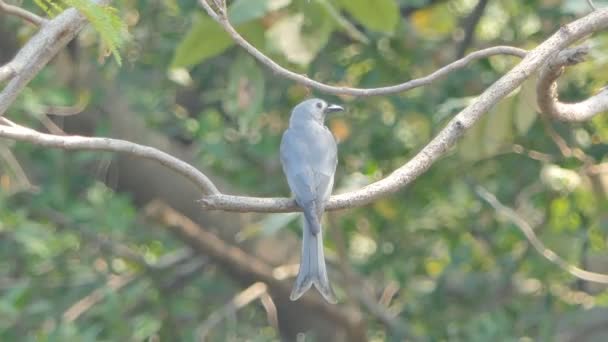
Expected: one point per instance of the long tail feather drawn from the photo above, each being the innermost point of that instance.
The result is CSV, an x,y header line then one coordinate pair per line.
x,y
312,266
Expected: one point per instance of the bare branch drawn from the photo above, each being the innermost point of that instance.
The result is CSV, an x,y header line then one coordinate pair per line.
x,y
337,90
528,231
110,145
590,2
38,51
22,13
242,265
547,96
470,24
114,284
240,300
117,282
271,311
398,179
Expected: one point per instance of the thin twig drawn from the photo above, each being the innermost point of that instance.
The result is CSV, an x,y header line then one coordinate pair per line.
x,y
338,90
547,96
563,147
470,23
114,284
22,13
271,310
240,300
528,231
117,282
22,179
590,2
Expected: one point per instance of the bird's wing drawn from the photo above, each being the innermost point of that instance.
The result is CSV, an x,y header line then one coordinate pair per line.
x,y
309,162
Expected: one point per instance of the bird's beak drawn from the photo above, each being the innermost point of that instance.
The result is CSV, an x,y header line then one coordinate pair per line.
x,y
332,108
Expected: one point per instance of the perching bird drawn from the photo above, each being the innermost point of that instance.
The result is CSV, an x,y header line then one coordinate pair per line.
x,y
309,158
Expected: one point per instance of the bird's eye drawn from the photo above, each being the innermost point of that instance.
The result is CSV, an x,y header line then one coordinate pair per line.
x,y
319,105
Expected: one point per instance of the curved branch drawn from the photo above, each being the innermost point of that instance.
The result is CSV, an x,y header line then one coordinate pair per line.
x,y
446,138
17,132
547,96
222,19
38,51
400,178
239,301
22,13
540,247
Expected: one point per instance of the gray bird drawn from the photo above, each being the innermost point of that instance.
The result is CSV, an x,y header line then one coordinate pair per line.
x,y
309,158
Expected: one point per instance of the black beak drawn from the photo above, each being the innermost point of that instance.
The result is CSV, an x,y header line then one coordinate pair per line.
x,y
332,108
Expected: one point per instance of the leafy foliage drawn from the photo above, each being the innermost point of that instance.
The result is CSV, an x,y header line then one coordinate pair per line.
x,y
105,20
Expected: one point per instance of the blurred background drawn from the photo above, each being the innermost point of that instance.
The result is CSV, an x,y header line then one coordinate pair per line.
x,y
105,247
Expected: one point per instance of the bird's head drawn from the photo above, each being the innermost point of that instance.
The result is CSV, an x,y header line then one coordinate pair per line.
x,y
313,109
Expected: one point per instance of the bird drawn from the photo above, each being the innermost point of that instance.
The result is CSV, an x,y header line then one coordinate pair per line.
x,y
309,157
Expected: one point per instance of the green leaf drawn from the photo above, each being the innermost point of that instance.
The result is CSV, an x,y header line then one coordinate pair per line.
x,y
490,133
104,19
208,39
525,111
204,40
498,126
300,37
245,93
242,11
378,15
49,7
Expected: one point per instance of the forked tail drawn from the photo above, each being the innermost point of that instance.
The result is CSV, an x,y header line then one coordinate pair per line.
x,y
312,267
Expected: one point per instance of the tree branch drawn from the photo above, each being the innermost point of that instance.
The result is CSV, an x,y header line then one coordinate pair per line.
x,y
250,269
21,133
446,138
22,13
117,282
38,51
547,96
398,179
528,231
239,301
221,18
470,24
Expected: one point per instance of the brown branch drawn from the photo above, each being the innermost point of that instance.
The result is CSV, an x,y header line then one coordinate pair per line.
x,y
38,51
240,300
547,95
222,19
470,24
114,284
22,13
246,267
540,247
